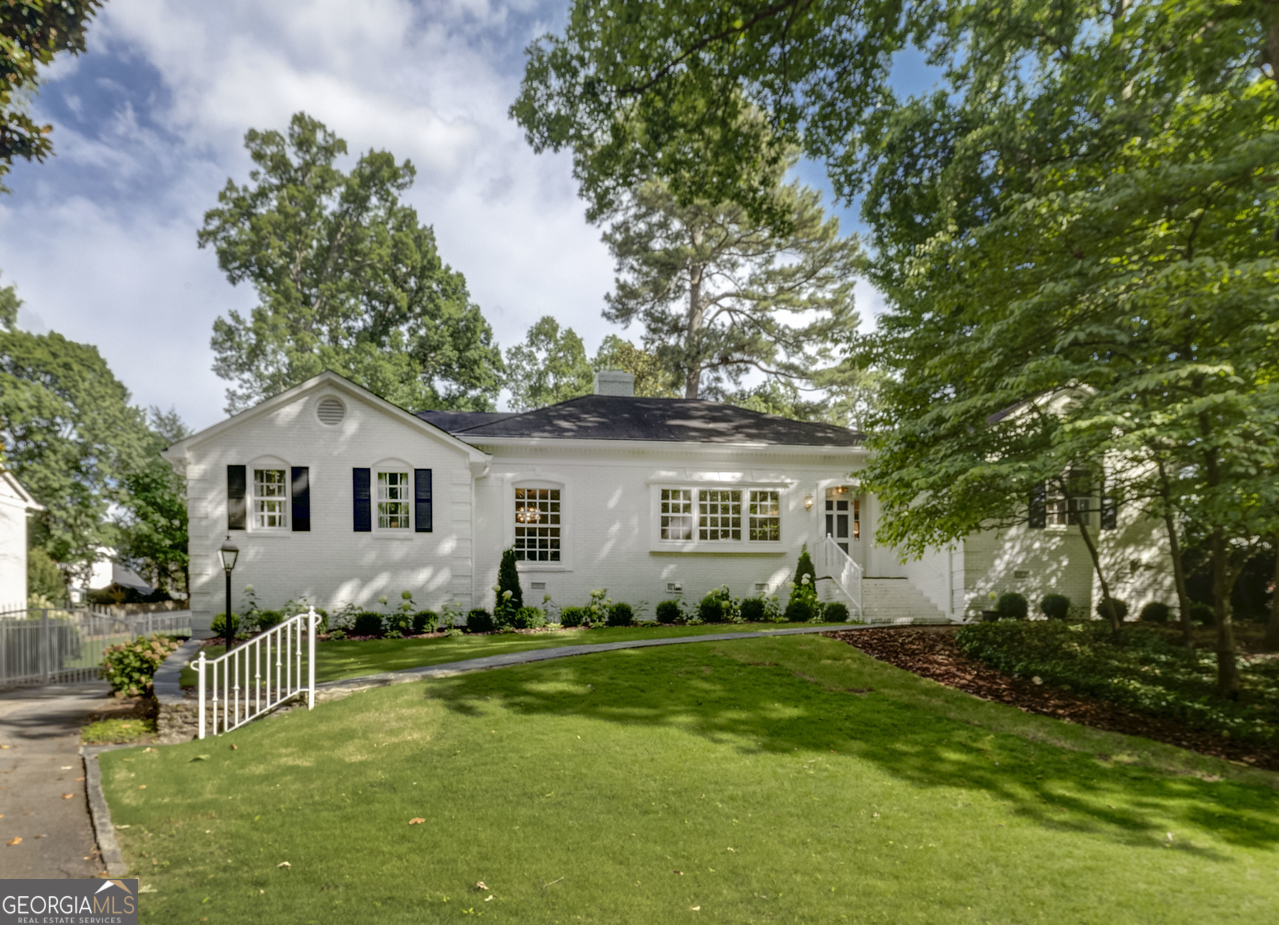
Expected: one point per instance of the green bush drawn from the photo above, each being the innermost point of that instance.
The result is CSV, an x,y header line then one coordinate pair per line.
x,y
479,620
805,568
44,578
1202,614
574,616
801,610
1121,608
265,619
712,609
367,623
529,618
508,579
130,666
753,610
425,621
621,615
218,626
114,594
1055,606
1012,606
836,612
668,612
1155,612
399,622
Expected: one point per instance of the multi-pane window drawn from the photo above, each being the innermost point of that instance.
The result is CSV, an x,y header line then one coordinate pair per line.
x,y
765,516
393,500
843,515
537,524
719,515
1074,505
677,513
270,495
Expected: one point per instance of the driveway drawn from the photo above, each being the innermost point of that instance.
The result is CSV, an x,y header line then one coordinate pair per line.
x,y
40,765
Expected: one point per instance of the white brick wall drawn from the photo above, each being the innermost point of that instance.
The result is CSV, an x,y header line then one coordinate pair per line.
x,y
13,547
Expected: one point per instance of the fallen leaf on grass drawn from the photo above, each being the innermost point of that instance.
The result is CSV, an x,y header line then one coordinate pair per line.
x,y
284,864
234,747
479,885
487,898
16,840
416,820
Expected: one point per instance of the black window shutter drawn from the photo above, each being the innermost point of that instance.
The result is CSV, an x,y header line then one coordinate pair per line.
x,y
235,509
1038,515
301,499
363,505
1109,513
422,520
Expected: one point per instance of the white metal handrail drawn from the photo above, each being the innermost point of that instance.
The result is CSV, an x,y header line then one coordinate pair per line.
x,y
840,568
240,692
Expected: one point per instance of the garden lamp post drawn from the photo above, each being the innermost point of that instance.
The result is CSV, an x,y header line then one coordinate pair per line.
x,y
229,553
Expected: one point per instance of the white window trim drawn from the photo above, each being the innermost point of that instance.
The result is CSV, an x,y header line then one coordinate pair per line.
x,y
251,490
696,545
566,522
383,468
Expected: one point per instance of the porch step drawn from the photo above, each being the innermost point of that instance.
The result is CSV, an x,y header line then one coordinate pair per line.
x,y
891,601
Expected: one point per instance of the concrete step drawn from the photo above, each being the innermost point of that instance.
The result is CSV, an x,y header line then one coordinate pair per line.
x,y
887,601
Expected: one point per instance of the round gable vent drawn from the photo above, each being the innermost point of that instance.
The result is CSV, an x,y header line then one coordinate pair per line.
x,y
331,411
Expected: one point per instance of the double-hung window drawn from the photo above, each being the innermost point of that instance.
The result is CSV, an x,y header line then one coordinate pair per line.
x,y
393,500
537,524
713,518
677,513
719,515
270,499
765,516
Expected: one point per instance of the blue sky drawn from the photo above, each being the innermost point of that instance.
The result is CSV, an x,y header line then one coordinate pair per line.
x,y
149,125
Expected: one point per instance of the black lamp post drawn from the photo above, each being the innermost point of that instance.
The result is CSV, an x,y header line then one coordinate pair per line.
x,y
228,552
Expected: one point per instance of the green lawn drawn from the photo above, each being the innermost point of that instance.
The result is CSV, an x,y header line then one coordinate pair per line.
x,y
764,780
340,659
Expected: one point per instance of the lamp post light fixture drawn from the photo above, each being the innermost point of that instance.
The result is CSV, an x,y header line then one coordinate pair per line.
x,y
229,553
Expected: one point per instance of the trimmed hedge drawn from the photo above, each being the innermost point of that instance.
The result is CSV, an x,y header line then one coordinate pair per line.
x,y
1121,608
621,615
528,618
800,610
1055,606
479,620
836,612
1012,606
574,616
367,623
712,609
1203,614
1155,612
425,621
753,610
668,612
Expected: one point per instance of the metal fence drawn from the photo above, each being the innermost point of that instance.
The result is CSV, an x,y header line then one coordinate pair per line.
x,y
45,645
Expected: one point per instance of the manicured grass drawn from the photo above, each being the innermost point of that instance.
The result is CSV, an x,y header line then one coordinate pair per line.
x,y
749,781
105,731
338,659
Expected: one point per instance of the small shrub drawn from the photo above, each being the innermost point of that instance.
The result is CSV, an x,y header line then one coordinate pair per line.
x,y
1121,609
479,620
573,616
425,621
399,623
1202,614
711,609
621,615
800,610
266,619
805,568
336,634
1012,606
529,618
598,607
508,580
367,623
129,667
753,610
1155,612
836,612
218,626
668,612
1055,606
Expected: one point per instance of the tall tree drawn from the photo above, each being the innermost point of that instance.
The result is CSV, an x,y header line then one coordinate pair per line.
x,y
652,380
347,279
154,522
549,367
32,32
719,294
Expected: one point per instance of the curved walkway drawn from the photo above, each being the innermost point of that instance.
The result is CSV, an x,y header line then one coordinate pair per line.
x,y
332,690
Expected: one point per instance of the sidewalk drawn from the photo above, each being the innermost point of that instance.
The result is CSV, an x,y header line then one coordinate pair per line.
x,y
39,764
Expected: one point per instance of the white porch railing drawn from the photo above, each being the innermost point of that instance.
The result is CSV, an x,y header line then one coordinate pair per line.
x,y
839,567
257,676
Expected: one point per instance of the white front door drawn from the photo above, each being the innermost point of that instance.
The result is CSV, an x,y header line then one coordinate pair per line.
x,y
844,518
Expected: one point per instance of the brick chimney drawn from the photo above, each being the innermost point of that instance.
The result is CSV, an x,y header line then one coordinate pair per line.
x,y
614,382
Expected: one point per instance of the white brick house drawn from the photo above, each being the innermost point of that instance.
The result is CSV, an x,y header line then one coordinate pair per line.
x,y
335,495
15,504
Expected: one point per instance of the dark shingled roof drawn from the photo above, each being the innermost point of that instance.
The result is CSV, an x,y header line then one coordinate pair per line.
x,y
610,417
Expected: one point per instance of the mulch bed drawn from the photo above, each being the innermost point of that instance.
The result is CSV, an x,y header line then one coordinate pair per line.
x,y
934,653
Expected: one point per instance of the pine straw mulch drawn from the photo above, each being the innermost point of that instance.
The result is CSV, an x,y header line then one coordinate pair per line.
x,y
934,653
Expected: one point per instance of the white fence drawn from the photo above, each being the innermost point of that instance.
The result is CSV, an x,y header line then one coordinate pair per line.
x,y
834,563
257,676
47,645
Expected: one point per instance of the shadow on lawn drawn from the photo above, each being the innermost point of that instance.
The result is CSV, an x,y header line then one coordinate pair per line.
x,y
765,708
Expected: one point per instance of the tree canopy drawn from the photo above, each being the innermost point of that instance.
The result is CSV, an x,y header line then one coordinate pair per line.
x,y
549,367
347,278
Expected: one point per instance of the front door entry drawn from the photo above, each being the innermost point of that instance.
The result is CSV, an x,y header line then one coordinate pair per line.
x,y
843,516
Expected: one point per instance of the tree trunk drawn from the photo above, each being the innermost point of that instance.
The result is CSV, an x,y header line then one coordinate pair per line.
x,y
1178,572
693,380
1111,613
1272,629
1270,47
1222,585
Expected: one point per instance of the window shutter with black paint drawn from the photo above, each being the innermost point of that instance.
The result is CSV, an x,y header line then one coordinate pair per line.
x,y
422,514
363,512
1038,513
301,499
235,507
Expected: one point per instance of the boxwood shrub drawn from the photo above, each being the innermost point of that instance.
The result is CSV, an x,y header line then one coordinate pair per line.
x,y
668,612
801,610
1202,614
1055,606
528,618
1155,612
425,621
1012,606
712,609
479,620
753,610
1121,608
367,623
836,612
621,615
574,616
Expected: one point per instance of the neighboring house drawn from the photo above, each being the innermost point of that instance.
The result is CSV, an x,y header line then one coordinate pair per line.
x,y
16,504
337,496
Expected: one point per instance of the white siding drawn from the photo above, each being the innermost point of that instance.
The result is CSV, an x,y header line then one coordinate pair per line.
x,y
13,547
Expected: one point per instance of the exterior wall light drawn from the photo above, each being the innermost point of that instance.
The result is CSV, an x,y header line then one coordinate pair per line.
x,y
808,502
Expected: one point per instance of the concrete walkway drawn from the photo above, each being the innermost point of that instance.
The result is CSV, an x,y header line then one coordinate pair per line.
x,y
40,764
332,690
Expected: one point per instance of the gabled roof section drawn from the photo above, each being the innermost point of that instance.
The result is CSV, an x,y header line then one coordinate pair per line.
x,y
458,421
338,383
7,476
671,420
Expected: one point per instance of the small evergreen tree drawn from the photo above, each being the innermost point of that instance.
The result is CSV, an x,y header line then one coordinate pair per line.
x,y
805,567
508,579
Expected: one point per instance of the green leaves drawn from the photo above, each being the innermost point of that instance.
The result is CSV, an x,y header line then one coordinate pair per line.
x,y
348,280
